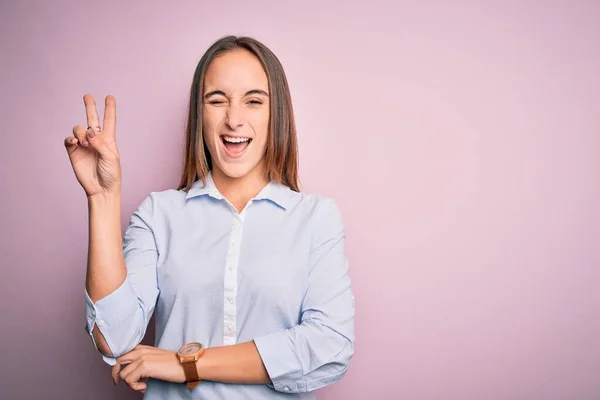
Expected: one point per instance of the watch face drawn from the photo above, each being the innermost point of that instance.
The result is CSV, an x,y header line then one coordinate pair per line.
x,y
190,348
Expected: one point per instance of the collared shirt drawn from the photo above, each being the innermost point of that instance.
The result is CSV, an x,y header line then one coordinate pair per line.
x,y
275,273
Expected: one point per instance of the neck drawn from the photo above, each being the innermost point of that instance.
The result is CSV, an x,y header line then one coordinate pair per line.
x,y
239,191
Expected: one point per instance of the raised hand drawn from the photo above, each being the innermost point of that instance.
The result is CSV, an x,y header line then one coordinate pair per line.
x,y
93,150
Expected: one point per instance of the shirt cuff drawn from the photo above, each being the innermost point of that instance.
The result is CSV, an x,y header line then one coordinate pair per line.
x,y
280,360
109,312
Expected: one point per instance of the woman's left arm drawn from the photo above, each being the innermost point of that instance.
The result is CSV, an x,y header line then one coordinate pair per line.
x,y
317,352
304,358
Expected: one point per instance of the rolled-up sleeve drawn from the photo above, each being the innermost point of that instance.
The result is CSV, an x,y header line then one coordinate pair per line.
x,y
317,352
122,317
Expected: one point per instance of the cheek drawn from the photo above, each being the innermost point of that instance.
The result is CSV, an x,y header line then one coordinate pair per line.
x,y
210,143
260,122
210,124
208,120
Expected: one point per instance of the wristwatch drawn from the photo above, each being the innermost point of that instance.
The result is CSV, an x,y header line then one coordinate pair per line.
x,y
188,355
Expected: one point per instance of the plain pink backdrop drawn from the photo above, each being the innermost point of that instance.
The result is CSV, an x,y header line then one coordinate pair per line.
x,y
461,140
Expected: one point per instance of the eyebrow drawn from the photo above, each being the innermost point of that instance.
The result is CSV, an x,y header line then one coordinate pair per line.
x,y
248,93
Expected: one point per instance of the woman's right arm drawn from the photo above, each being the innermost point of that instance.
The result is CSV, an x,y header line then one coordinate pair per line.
x,y
121,282
106,269
121,288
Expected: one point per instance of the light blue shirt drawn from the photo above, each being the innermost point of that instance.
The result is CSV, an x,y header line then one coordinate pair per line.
x,y
276,273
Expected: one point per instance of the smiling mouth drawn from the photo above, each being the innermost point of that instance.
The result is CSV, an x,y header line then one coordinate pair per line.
x,y
235,146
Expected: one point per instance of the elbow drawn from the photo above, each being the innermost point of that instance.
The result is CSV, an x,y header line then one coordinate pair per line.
x,y
100,343
341,358
348,354
105,350
339,345
117,322
115,340
332,371
115,349
327,373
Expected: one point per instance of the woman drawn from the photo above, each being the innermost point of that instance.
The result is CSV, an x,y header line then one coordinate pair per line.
x,y
248,276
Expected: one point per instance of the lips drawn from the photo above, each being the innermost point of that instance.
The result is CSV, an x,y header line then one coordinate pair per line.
x,y
235,146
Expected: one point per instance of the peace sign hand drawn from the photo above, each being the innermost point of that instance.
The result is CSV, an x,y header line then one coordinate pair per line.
x,y
93,151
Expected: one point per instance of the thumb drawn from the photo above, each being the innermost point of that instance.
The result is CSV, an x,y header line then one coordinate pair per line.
x,y
97,143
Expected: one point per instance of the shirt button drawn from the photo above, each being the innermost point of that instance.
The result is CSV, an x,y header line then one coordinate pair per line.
x,y
286,389
230,267
229,300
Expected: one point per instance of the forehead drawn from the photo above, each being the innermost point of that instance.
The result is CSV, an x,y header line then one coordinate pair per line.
x,y
235,72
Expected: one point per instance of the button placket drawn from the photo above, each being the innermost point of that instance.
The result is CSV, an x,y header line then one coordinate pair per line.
x,y
230,292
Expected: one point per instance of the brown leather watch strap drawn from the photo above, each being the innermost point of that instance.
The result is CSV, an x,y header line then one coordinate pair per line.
x,y
191,374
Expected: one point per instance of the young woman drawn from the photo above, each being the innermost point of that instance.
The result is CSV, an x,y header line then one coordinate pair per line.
x,y
246,275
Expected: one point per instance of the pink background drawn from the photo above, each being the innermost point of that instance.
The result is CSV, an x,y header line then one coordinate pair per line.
x,y
461,141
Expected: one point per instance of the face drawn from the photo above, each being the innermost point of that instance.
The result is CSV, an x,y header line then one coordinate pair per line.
x,y
236,113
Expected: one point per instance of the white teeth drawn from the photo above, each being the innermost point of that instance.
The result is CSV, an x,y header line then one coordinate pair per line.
x,y
235,139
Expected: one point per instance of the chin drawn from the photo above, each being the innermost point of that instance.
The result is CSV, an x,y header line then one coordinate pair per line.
x,y
235,171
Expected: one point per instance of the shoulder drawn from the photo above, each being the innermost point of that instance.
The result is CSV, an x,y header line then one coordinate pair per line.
x,y
322,217
160,202
322,211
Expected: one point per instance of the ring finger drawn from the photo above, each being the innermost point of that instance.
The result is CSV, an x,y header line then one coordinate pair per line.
x,y
80,133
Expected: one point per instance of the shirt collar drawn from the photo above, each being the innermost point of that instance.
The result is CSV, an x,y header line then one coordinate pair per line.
x,y
201,189
273,191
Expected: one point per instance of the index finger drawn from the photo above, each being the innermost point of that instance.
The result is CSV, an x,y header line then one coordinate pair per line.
x,y
110,116
90,112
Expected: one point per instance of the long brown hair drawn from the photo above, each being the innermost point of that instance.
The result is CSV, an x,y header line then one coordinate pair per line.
x,y
281,154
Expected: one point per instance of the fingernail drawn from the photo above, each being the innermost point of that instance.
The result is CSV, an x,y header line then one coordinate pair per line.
x,y
91,133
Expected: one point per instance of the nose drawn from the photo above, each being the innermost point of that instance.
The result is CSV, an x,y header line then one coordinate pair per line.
x,y
235,117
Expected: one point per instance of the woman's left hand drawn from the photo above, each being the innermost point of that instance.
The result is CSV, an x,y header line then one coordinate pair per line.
x,y
147,362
